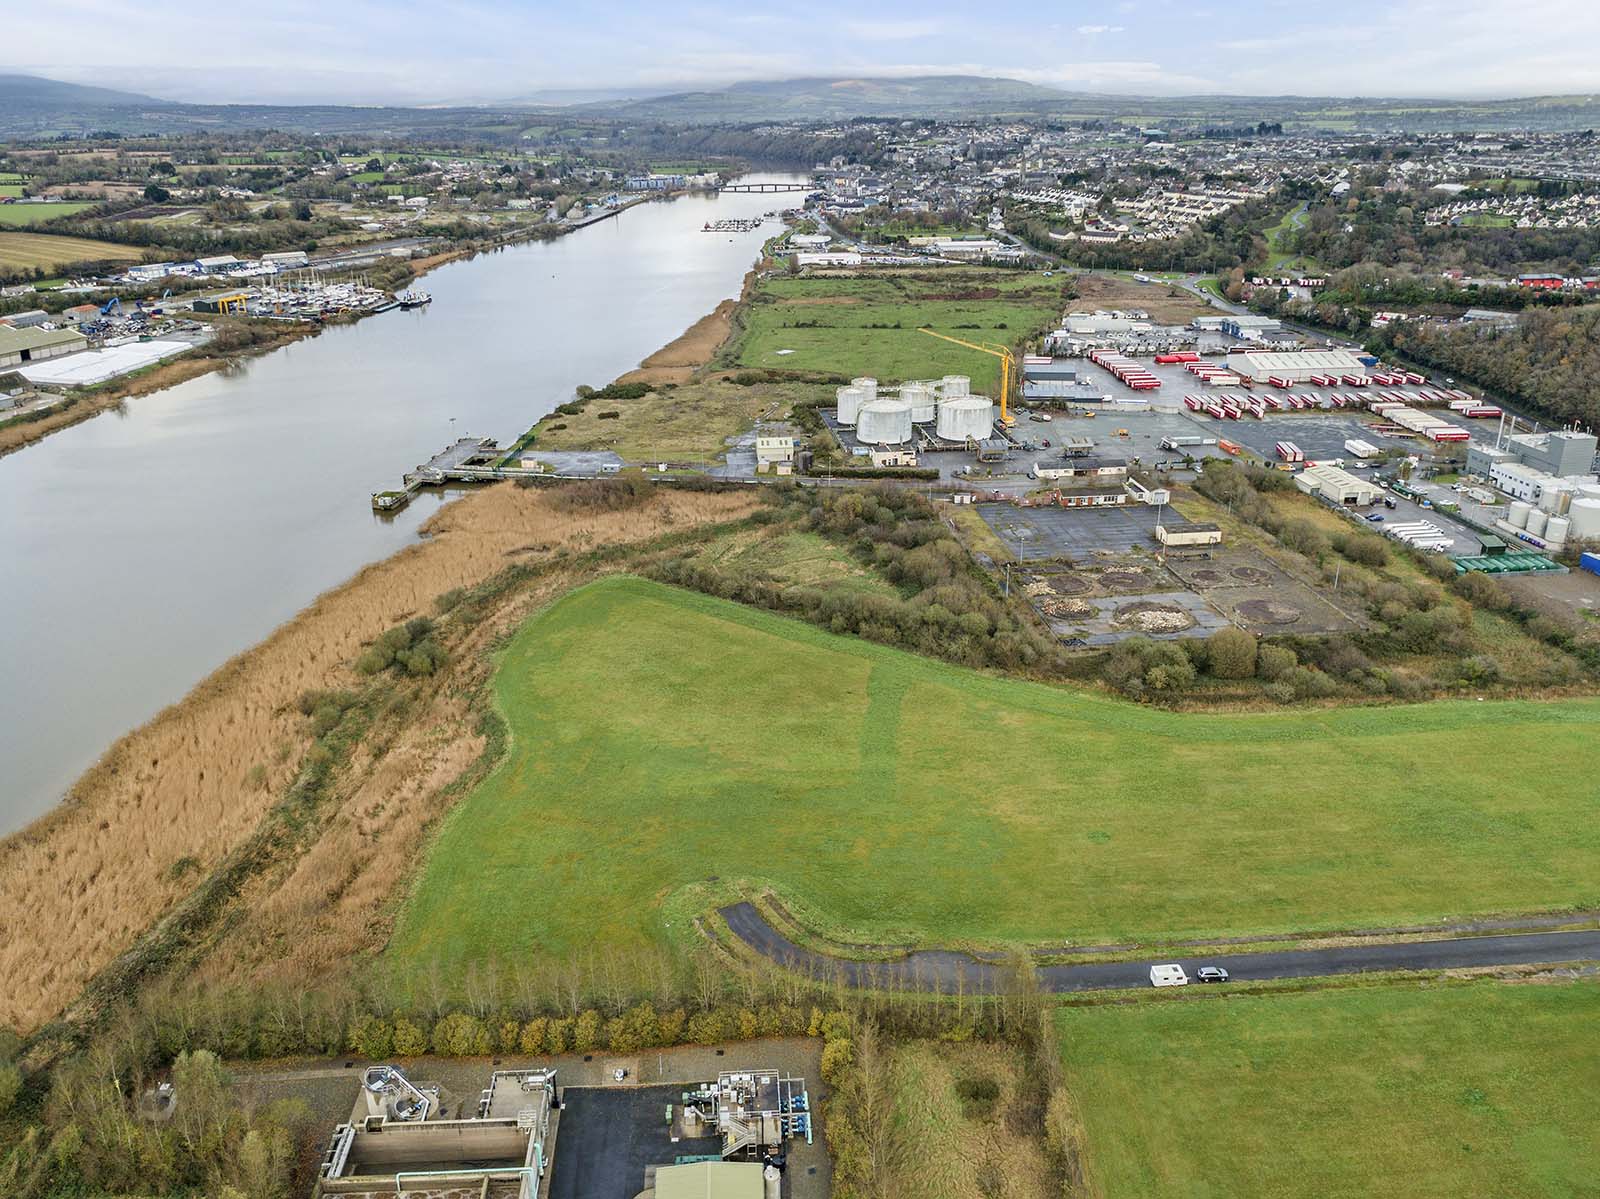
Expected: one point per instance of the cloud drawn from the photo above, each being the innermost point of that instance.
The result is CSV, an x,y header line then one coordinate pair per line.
x,y
1097,30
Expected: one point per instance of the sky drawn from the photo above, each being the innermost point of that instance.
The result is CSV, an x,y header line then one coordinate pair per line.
x,y
482,51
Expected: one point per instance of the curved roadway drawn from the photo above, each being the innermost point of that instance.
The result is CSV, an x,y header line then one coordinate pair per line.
x,y
947,971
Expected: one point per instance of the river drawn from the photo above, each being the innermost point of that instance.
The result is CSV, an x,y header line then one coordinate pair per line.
x,y
145,547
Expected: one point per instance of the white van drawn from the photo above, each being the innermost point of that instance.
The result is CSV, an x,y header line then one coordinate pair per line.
x,y
1171,975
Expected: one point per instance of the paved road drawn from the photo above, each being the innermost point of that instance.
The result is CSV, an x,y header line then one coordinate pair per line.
x,y
946,971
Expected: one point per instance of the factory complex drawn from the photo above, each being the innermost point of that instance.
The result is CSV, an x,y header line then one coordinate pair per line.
x,y
524,1136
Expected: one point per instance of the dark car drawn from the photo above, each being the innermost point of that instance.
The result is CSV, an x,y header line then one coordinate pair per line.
x,y
1211,974
1375,516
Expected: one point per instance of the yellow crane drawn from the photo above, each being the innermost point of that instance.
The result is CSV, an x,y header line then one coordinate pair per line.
x,y
1007,359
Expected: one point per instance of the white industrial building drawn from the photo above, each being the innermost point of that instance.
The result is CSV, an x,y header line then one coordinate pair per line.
x,y
20,346
1339,486
1297,366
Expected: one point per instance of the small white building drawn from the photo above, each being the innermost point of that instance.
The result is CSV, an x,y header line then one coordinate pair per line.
x,y
772,448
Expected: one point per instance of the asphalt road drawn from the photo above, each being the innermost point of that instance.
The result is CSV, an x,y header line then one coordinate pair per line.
x,y
945,971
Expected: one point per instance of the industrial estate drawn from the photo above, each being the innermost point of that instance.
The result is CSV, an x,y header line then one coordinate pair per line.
x,y
1079,677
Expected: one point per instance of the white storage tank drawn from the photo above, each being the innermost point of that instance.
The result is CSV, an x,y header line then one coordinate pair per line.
x,y
1588,491
868,386
964,417
1584,519
1517,514
850,400
953,387
1537,519
1556,531
884,422
921,400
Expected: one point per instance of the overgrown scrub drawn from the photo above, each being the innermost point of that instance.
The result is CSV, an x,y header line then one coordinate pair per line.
x,y
948,608
1420,621
409,648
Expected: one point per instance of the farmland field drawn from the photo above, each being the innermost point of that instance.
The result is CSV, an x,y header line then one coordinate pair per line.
x,y
867,324
660,738
27,251
22,216
1482,1091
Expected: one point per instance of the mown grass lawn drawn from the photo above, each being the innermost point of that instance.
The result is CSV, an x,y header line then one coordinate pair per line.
x,y
21,216
868,325
1482,1091
661,739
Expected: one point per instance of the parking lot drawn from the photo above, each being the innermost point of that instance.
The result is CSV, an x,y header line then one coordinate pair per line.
x,y
1049,532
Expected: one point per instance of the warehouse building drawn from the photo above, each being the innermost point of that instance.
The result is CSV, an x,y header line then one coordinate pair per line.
x,y
31,319
20,346
1248,327
1295,366
1337,486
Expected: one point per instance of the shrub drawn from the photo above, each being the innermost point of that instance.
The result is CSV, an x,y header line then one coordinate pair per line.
x,y
586,1031
1274,662
371,1037
837,1056
534,1036
461,1035
1303,537
409,648
1231,654
558,1036
409,1039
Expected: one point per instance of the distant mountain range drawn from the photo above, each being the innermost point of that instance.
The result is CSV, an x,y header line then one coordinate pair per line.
x,y
32,106
32,91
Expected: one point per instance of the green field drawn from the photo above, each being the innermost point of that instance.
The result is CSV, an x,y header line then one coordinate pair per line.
x,y
1487,220
1483,1091
22,216
867,325
27,251
661,738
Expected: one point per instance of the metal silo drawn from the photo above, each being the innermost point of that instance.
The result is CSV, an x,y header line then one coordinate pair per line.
x,y
850,400
964,417
1556,531
868,386
1584,516
1517,514
884,422
953,387
1537,518
923,405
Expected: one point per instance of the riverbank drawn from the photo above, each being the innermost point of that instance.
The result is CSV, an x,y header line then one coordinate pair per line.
x,y
83,404
172,804
171,801
79,406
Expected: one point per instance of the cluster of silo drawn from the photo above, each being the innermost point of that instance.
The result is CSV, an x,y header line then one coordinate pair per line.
x,y
884,422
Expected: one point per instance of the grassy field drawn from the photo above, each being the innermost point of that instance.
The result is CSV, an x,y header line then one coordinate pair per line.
x,y
1487,220
954,1132
661,738
792,557
27,251
1482,1091
691,421
867,324
23,216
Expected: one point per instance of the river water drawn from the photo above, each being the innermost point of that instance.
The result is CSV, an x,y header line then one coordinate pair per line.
x,y
143,548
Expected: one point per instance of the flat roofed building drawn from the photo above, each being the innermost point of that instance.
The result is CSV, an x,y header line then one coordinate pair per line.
x,y
1337,485
774,448
1297,366
19,346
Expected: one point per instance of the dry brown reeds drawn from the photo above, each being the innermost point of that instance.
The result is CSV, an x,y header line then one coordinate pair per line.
x,y
168,801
